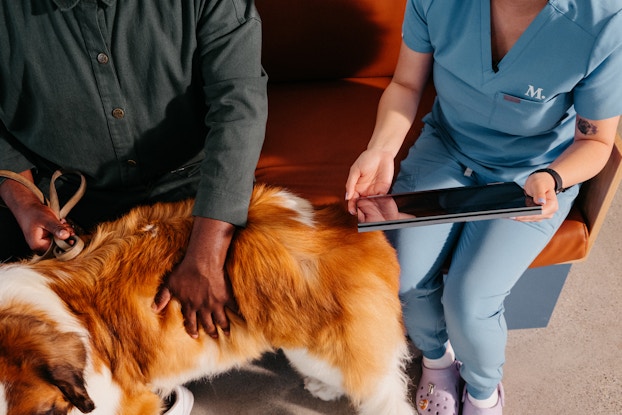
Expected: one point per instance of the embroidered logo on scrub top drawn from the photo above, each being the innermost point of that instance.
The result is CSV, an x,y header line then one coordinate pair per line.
x,y
533,92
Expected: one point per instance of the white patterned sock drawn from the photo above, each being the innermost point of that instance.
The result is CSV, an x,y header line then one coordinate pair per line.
x,y
442,362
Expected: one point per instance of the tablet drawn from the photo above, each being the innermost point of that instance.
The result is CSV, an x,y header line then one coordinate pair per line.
x,y
458,204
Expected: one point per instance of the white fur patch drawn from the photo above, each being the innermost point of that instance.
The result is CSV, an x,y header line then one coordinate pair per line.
x,y
301,206
151,228
322,390
20,283
104,392
322,380
3,404
391,395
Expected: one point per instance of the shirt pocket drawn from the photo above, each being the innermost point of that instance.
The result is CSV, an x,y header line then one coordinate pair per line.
x,y
523,117
188,170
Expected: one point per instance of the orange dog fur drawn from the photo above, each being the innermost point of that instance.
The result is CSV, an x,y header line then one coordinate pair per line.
x,y
80,336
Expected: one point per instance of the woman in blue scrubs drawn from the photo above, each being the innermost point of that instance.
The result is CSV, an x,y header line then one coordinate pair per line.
x,y
527,91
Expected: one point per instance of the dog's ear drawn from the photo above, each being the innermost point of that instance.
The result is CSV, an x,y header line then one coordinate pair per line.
x,y
50,360
64,367
71,383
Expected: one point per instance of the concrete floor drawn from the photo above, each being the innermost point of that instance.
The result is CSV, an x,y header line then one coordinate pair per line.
x,y
571,367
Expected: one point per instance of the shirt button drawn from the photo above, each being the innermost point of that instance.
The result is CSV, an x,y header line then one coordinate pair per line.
x,y
132,163
118,113
102,58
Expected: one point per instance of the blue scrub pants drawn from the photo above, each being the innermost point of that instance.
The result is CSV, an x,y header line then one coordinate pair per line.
x,y
464,306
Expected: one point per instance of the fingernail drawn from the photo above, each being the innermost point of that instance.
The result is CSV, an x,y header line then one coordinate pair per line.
x,y
541,200
347,196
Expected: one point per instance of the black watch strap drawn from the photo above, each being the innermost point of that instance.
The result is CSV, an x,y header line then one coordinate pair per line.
x,y
559,185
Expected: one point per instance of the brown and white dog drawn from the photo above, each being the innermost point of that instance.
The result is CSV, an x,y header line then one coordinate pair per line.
x,y
81,336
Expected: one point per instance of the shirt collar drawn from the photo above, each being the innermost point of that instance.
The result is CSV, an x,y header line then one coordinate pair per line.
x,y
65,5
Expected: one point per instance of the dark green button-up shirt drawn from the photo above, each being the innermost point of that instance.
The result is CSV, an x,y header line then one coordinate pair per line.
x,y
127,91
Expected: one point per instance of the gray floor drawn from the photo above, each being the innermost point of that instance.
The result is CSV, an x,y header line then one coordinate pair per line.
x,y
572,366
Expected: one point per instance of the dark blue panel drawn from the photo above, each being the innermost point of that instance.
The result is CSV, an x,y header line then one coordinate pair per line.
x,y
531,302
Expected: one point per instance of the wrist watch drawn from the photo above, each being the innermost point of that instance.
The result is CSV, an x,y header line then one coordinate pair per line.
x,y
559,186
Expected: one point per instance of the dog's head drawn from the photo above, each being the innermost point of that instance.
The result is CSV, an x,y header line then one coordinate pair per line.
x,y
41,368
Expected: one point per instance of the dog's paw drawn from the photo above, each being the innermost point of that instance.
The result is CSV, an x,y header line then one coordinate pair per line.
x,y
322,390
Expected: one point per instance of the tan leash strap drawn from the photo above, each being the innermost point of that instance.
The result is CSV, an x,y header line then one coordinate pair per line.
x,y
25,182
61,249
54,204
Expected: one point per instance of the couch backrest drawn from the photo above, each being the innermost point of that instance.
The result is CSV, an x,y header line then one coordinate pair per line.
x,y
330,39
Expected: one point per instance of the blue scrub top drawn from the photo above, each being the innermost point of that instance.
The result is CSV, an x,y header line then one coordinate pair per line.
x,y
568,61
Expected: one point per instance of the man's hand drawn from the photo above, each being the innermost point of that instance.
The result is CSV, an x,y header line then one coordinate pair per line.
x,y
38,222
41,225
200,282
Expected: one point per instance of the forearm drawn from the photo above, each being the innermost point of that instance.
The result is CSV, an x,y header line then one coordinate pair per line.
x,y
209,243
15,195
396,113
399,103
589,152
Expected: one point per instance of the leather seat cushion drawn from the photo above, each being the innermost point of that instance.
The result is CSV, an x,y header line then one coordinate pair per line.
x,y
317,129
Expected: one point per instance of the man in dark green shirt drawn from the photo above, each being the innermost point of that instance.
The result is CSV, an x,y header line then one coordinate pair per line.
x,y
151,101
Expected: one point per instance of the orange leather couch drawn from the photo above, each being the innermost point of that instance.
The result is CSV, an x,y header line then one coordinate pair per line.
x,y
329,61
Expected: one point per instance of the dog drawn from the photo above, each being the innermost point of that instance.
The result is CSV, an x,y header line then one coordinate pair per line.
x,y
81,336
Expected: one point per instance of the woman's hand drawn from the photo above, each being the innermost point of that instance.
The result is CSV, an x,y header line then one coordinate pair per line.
x,y
371,174
541,187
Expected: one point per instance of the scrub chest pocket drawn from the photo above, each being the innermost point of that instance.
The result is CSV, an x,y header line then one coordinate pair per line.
x,y
525,117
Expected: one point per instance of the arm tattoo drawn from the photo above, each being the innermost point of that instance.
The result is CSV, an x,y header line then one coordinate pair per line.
x,y
586,127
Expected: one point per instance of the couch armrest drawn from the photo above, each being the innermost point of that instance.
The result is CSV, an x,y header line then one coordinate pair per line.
x,y
597,194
